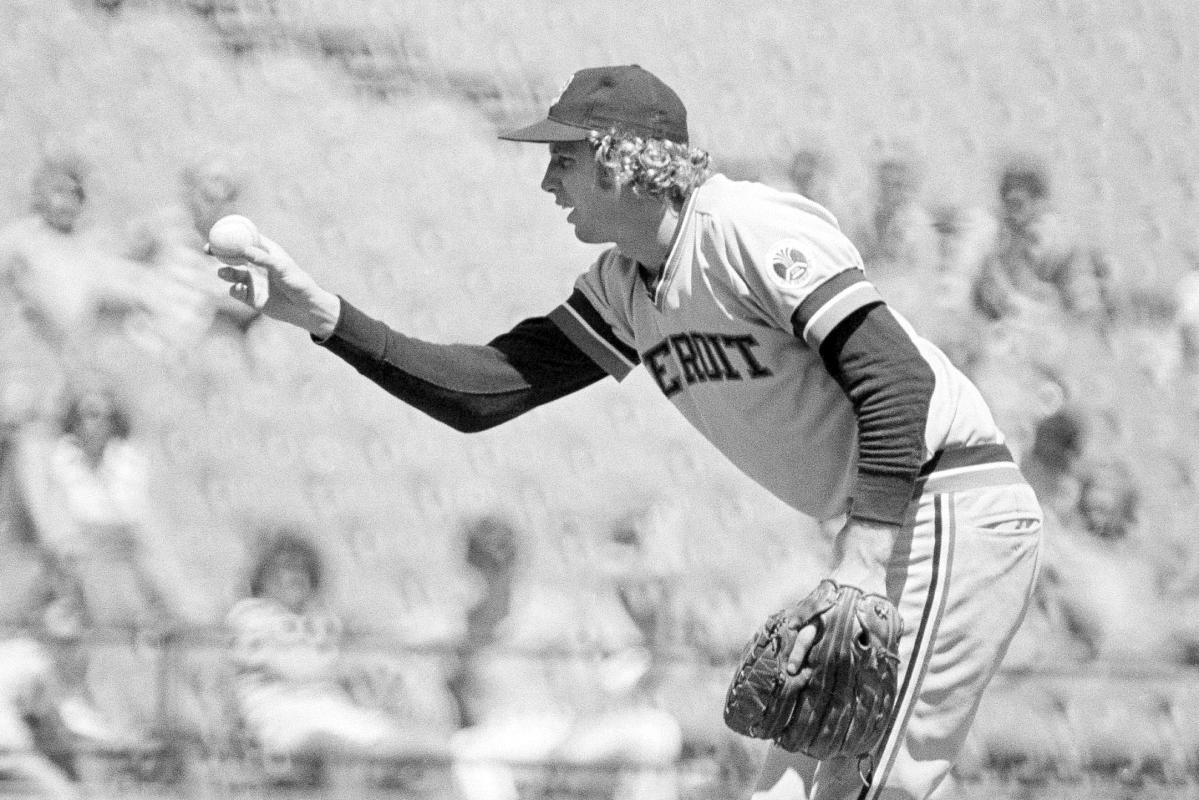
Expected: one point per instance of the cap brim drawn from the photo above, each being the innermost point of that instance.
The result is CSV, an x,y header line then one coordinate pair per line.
x,y
547,130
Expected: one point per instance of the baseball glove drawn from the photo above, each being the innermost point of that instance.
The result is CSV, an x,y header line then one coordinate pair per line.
x,y
846,705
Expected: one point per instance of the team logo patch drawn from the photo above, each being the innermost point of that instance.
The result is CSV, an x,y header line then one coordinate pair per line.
x,y
788,261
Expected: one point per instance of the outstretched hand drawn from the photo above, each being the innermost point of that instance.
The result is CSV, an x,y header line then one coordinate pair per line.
x,y
271,282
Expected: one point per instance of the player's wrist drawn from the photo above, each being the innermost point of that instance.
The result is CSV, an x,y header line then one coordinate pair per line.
x,y
864,549
324,316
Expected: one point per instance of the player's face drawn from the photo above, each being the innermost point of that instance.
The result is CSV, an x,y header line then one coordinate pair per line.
x,y
572,177
60,202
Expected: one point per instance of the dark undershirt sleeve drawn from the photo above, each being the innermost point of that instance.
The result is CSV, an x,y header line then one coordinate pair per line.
x,y
468,387
890,386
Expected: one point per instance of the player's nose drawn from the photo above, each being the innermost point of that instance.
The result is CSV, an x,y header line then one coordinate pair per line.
x,y
549,181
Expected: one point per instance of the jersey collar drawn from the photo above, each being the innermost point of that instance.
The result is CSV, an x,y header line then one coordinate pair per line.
x,y
658,285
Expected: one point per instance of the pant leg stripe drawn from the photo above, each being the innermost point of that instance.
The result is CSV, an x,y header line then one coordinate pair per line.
x,y
926,633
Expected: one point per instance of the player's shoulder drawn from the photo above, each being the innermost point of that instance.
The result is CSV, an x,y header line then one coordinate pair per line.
x,y
750,202
612,275
758,228
613,263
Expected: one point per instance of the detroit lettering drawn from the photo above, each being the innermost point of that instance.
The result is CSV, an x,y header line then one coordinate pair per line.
x,y
703,357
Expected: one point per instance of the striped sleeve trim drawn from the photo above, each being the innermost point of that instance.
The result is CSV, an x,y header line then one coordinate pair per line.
x,y
584,326
833,301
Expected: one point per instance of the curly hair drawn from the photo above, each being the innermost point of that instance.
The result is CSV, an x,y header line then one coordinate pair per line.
x,y
656,168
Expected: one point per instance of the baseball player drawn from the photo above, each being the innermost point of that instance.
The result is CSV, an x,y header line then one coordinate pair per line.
x,y
751,311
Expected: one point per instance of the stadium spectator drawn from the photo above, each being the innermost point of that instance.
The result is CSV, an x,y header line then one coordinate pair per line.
x,y
1050,466
17,538
37,671
692,627
1108,501
187,297
193,323
1104,580
965,236
85,483
812,173
63,282
211,190
1037,267
900,246
1152,336
603,718
899,231
290,691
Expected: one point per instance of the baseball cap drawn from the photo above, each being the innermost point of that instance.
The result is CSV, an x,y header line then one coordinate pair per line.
x,y
627,97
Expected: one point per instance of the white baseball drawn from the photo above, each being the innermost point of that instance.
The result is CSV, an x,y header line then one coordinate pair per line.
x,y
230,236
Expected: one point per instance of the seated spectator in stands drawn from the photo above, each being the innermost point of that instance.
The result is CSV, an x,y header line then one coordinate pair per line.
x,y
37,746
900,247
812,173
86,486
61,280
85,483
186,297
693,627
965,237
193,321
17,536
290,691
1050,466
1108,501
524,706
899,232
211,190
1104,581
1152,336
1037,267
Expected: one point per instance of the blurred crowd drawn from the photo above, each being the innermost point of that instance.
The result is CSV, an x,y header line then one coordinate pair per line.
x,y
624,675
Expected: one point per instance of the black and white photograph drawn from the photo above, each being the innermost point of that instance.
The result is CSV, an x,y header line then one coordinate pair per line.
x,y
549,400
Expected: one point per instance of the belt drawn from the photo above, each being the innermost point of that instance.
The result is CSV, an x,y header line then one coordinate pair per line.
x,y
956,469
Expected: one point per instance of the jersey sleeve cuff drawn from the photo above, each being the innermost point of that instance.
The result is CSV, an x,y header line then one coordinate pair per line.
x,y
356,333
584,326
881,498
828,306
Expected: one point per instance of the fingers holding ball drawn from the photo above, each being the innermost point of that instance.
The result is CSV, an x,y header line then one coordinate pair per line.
x,y
230,237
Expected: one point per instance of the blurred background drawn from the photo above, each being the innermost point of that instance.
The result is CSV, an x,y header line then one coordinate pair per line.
x,y
229,567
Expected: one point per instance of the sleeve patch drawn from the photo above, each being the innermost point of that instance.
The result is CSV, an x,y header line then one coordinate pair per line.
x,y
788,264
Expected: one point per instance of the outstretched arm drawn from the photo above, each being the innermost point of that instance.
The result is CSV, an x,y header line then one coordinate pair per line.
x,y
468,387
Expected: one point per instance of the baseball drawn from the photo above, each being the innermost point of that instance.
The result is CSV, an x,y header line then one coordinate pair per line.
x,y
230,236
